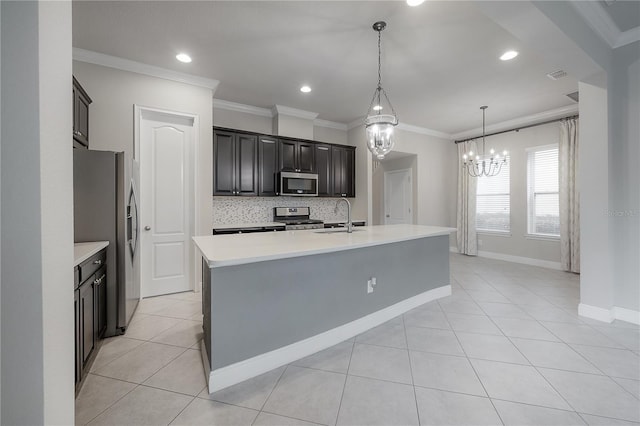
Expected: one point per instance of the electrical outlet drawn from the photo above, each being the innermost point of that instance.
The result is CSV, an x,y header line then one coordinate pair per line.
x,y
371,283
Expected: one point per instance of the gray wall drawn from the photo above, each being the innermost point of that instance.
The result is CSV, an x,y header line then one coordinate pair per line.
x,y
517,243
252,305
37,239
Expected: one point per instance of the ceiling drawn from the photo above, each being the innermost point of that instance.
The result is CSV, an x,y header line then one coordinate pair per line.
x,y
439,60
624,13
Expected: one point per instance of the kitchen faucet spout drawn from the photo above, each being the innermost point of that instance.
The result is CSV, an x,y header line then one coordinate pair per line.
x,y
349,224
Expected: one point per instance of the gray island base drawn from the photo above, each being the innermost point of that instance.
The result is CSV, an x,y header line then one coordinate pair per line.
x,y
263,310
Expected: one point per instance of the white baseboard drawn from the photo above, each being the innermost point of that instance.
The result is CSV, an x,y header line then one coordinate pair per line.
x,y
628,315
518,259
235,373
596,313
608,315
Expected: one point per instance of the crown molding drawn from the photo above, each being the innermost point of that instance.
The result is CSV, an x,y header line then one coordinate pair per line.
x,y
96,58
628,37
406,128
520,121
423,131
355,123
270,112
330,124
294,112
599,20
247,109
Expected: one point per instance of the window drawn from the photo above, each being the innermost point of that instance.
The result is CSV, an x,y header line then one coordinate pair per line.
x,y
543,199
493,208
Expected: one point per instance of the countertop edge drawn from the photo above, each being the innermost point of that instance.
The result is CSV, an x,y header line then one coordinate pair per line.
x,y
83,251
265,258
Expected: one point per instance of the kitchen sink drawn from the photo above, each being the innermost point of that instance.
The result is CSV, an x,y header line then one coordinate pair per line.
x,y
336,230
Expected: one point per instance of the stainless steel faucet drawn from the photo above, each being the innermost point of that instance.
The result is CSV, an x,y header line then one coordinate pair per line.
x,y
349,224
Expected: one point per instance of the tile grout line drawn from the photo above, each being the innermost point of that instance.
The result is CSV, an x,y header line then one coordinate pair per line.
x,y
346,376
475,372
114,402
538,371
413,383
275,385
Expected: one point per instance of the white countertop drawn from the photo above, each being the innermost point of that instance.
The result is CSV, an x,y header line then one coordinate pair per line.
x,y
238,249
83,251
246,225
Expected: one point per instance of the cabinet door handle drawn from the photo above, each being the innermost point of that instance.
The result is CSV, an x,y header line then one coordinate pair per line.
x,y
99,280
97,262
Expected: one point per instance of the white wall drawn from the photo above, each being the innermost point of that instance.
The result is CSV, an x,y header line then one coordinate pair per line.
x,y
377,197
596,288
37,210
517,243
435,181
111,126
624,177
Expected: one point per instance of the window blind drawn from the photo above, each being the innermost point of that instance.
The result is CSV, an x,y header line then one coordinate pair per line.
x,y
493,206
543,198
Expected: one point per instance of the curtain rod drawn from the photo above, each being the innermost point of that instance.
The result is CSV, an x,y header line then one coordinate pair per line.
x,y
517,128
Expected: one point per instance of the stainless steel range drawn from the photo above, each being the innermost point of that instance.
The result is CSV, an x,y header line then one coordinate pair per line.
x,y
296,218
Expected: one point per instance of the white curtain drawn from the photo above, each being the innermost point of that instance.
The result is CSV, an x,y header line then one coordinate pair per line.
x,y
569,196
466,214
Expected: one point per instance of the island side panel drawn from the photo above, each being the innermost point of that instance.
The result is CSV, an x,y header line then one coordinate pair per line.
x,y
206,308
258,307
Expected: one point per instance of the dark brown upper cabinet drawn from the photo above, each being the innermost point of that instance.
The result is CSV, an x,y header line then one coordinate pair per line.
x,y
323,169
235,163
296,156
267,165
343,174
81,102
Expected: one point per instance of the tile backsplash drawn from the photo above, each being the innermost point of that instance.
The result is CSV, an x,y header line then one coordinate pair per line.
x,y
246,210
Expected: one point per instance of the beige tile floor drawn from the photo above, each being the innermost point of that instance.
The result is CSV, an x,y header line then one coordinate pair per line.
x,y
506,348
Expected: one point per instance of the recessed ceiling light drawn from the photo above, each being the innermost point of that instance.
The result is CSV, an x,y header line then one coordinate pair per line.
x,y
508,55
377,107
415,2
183,57
305,89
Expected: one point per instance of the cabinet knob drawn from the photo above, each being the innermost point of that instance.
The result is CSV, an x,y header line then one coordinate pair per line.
x,y
147,228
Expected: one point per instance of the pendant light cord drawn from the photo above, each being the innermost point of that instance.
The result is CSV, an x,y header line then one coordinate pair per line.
x,y
379,60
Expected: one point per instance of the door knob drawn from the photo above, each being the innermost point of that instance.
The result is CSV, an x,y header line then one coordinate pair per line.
x,y
147,228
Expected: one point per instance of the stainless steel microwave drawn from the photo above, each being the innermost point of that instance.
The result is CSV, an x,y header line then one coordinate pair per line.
x,y
298,184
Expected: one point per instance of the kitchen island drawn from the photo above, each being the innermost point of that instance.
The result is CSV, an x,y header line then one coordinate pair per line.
x,y
272,298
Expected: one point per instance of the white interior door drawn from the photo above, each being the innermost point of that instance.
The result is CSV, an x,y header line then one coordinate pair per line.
x,y
398,197
166,144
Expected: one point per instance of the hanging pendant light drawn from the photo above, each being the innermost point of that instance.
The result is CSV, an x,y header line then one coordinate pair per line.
x,y
488,165
379,123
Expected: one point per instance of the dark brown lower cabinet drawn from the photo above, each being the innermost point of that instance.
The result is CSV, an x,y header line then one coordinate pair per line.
x,y
90,313
87,332
78,361
100,302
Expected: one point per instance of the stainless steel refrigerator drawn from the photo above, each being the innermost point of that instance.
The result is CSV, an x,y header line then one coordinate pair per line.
x,y
105,205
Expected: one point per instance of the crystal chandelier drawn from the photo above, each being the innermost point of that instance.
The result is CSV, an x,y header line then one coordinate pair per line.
x,y
484,165
379,126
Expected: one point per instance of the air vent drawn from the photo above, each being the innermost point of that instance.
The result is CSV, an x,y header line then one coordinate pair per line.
x,y
557,75
575,96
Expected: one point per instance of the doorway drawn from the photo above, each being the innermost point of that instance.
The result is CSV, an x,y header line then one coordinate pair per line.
x,y
398,197
165,146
